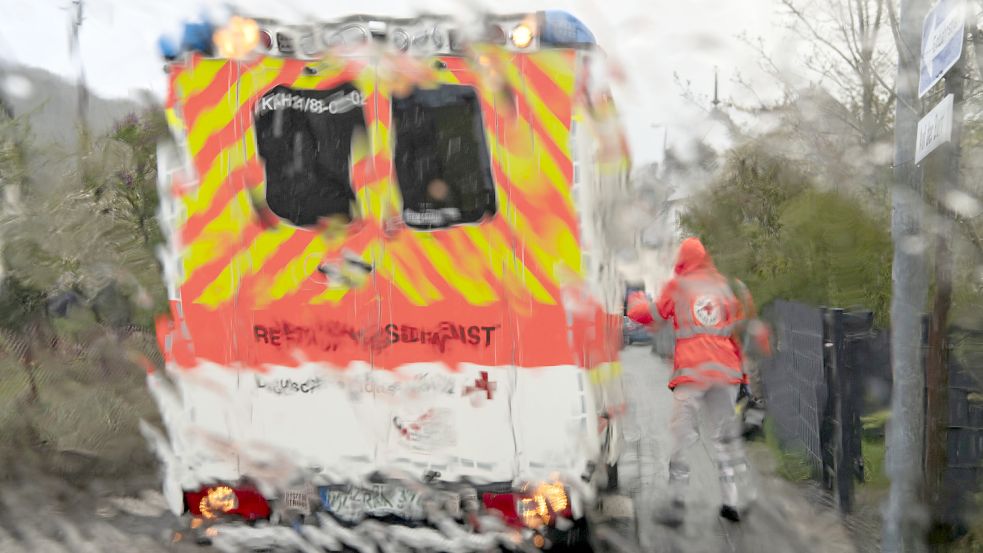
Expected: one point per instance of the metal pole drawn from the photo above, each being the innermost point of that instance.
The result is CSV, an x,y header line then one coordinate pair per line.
x,y
75,49
842,411
936,367
903,532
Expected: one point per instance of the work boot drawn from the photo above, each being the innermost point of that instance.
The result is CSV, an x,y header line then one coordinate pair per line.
x,y
730,513
671,515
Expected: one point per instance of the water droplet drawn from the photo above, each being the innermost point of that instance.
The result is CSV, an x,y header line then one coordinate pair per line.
x,y
17,86
963,204
913,245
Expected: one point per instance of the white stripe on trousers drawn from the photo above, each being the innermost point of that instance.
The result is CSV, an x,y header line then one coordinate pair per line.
x,y
717,403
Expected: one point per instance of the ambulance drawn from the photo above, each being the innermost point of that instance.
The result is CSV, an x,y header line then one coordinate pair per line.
x,y
394,315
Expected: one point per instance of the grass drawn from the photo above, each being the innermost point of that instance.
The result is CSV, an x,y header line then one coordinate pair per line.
x,y
873,450
793,465
873,453
85,419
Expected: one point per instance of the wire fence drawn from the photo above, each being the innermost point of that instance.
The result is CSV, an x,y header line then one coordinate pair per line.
x,y
813,389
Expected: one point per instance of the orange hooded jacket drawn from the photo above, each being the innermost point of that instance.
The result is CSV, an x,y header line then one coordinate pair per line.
x,y
705,313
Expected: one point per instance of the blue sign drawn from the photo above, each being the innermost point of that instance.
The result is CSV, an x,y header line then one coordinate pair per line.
x,y
942,42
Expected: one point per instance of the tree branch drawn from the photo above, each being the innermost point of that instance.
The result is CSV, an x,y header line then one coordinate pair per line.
x,y
815,33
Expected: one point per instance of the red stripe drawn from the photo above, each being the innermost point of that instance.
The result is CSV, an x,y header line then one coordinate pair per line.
x,y
347,75
176,70
252,173
235,182
235,128
465,242
370,170
382,109
456,63
561,159
466,77
286,252
494,120
303,295
552,95
370,106
530,263
204,275
522,202
414,252
223,80
409,247
465,257
407,243
221,84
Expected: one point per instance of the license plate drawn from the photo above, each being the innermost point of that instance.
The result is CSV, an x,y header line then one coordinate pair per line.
x,y
354,503
299,499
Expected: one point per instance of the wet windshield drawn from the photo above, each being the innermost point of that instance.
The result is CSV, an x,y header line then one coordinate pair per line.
x,y
634,275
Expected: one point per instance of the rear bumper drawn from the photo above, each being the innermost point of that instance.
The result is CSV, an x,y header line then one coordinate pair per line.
x,y
475,527
572,540
321,530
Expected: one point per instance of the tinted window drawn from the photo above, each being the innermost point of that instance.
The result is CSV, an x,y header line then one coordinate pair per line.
x,y
304,139
441,159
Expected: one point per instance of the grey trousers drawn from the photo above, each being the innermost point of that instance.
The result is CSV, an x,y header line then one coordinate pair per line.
x,y
716,403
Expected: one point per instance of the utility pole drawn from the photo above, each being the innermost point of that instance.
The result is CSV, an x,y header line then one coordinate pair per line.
x,y
74,49
936,362
903,531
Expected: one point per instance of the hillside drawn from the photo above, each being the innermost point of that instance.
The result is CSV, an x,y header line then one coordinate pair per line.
x,y
50,106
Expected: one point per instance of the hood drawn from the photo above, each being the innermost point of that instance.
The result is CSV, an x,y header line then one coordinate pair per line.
x,y
692,257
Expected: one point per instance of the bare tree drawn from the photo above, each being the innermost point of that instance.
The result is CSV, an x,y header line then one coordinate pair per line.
x,y
852,51
834,109
848,52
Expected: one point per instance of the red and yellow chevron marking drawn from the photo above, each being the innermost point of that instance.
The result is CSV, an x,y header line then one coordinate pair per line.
x,y
259,280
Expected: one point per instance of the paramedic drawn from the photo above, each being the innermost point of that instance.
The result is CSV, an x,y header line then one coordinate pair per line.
x,y
707,372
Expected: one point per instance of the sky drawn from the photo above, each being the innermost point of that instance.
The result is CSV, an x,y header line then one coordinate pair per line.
x,y
653,40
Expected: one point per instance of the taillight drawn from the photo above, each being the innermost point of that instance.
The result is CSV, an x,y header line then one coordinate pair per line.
x,y
214,501
533,508
505,503
542,505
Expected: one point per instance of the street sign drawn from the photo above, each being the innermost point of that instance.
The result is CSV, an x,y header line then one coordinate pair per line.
x,y
942,42
934,129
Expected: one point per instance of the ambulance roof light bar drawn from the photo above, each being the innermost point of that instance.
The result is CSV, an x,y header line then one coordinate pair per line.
x,y
424,35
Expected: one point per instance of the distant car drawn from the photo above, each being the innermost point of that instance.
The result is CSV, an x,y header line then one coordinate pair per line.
x,y
634,333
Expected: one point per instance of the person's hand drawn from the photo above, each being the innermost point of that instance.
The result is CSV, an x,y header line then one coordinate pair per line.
x,y
762,336
637,297
639,309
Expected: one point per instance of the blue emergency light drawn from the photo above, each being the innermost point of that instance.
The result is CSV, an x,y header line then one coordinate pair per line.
x,y
560,28
196,37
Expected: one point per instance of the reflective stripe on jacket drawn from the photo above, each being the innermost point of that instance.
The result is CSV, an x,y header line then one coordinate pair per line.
x,y
705,313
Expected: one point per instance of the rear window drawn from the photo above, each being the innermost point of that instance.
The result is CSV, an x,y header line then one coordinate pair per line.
x,y
304,138
441,158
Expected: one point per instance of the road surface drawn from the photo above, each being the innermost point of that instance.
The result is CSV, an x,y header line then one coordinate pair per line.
x,y
47,515
781,519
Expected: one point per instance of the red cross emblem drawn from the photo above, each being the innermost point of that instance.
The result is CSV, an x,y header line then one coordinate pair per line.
x,y
705,311
482,384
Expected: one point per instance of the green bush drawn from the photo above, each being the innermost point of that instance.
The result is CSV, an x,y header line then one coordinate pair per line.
x,y
771,226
